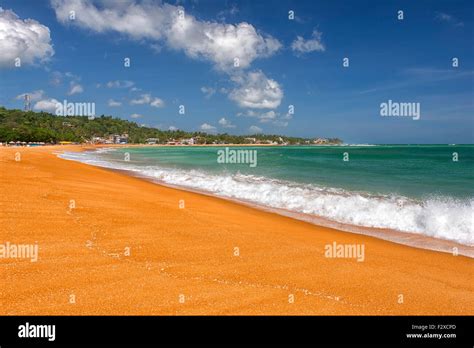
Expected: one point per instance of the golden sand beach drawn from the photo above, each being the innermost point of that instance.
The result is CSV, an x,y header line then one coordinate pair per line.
x,y
112,244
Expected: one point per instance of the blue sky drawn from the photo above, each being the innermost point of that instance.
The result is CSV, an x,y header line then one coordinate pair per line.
x,y
282,62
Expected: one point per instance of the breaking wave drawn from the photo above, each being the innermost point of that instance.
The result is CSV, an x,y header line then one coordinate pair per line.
x,y
438,217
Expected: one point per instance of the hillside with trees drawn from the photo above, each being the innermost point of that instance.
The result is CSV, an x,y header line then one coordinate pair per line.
x,y
29,126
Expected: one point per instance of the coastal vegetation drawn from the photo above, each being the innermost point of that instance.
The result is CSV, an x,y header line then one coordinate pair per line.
x,y
28,126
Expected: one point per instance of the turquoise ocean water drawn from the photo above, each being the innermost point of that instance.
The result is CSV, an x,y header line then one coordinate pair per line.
x,y
419,189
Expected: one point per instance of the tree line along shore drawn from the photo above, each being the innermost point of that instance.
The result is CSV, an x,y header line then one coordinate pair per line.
x,y
18,127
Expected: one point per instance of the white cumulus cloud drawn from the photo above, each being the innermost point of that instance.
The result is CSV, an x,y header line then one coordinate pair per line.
x,y
35,95
230,48
144,99
114,103
157,103
148,99
271,116
162,23
205,127
222,44
280,123
26,39
208,91
301,45
267,116
120,84
255,129
75,89
226,123
445,17
48,105
256,91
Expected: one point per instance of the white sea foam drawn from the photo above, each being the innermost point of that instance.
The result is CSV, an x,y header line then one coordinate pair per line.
x,y
444,218
358,145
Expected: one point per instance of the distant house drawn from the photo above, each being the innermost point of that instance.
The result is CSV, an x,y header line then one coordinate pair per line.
x,y
123,139
270,142
320,141
250,140
189,141
152,141
120,139
99,140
